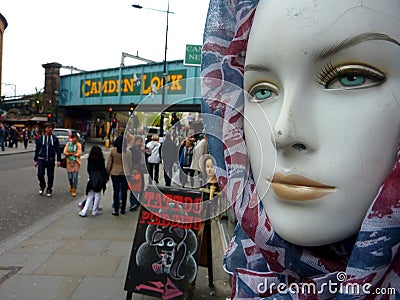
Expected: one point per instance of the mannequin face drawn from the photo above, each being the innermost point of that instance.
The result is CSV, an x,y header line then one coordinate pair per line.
x,y
209,169
325,77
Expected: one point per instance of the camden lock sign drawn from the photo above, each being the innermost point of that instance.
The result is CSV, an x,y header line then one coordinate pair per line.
x,y
141,84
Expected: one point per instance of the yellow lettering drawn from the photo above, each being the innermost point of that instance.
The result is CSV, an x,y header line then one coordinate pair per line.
x,y
128,84
87,83
93,89
156,80
117,86
111,86
175,84
145,91
104,87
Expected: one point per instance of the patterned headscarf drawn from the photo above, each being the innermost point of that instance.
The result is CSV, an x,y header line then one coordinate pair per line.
x,y
262,264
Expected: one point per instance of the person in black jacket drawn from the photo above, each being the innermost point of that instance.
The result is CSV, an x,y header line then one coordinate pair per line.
x,y
169,156
98,178
138,166
47,148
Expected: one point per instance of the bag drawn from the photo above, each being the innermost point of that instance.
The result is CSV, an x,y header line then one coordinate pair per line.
x,y
148,151
135,182
63,162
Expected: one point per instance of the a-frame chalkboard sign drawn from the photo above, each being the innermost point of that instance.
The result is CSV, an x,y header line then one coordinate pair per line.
x,y
166,247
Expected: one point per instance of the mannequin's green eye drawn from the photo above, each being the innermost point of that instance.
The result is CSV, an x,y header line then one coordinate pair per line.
x,y
352,80
263,92
348,77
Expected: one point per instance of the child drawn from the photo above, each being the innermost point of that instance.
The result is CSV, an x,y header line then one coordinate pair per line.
x,y
98,178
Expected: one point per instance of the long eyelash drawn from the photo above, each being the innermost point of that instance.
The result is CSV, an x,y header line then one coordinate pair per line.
x,y
331,72
328,73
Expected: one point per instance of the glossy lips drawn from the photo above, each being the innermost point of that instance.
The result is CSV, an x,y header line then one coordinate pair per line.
x,y
298,188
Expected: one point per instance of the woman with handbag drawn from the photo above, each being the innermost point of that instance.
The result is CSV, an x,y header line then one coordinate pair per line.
x,y
72,152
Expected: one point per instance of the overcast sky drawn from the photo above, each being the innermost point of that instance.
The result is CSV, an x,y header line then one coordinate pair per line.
x,y
91,35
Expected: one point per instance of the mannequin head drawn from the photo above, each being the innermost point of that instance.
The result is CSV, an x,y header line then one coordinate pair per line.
x,y
209,168
325,78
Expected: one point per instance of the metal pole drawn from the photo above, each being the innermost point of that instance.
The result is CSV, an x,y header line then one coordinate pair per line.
x,y
165,78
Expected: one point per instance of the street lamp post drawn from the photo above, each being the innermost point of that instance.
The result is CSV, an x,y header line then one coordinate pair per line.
x,y
165,79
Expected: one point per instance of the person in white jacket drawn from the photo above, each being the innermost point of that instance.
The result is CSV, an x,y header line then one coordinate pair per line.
x,y
154,159
199,150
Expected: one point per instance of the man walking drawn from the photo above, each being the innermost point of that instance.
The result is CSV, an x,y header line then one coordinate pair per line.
x,y
47,147
2,136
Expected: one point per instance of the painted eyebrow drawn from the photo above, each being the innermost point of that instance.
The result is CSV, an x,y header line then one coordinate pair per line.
x,y
352,41
256,68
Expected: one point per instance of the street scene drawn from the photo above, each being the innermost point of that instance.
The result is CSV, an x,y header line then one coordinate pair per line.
x,y
186,149
47,251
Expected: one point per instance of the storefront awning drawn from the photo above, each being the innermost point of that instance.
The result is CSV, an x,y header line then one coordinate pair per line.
x,y
39,119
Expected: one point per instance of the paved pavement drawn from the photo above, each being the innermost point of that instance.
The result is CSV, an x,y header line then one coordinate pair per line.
x,y
65,256
20,149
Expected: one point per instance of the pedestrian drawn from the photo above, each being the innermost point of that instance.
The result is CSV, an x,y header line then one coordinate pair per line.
x,y
185,161
137,163
97,181
200,149
169,156
154,159
7,136
72,152
46,152
115,168
25,136
2,136
14,136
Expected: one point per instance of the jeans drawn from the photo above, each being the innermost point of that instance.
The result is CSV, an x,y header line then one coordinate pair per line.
x,y
184,176
43,167
2,144
120,187
168,174
73,179
156,168
133,198
92,197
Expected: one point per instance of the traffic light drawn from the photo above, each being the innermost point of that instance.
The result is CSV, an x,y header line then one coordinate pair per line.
x,y
49,117
110,112
114,123
174,118
132,108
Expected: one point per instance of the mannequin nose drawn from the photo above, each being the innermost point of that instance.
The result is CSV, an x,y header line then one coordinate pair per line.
x,y
289,135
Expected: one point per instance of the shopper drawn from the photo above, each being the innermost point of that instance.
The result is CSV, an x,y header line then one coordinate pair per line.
x,y
154,159
47,148
116,170
98,178
73,151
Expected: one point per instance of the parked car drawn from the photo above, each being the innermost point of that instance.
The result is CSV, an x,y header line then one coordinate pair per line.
x,y
64,136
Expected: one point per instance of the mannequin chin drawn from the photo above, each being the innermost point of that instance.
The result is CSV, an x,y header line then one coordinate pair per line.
x,y
326,78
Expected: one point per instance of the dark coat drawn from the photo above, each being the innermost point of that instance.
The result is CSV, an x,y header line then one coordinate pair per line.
x,y
53,149
98,176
